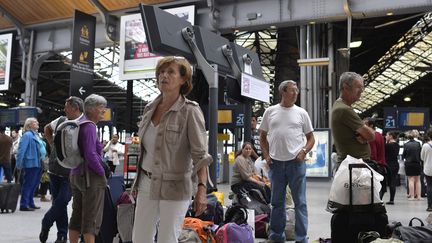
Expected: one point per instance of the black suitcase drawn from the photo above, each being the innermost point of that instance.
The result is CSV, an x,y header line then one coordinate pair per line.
x,y
108,228
345,226
9,193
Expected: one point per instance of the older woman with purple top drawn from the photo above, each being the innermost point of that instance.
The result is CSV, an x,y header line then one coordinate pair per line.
x,y
88,180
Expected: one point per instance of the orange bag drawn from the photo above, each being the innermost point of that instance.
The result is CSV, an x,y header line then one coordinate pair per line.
x,y
203,229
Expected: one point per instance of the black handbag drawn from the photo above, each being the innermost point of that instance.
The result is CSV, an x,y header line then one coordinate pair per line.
x,y
413,234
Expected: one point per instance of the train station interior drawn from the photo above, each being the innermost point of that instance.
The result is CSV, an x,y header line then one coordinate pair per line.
x,y
311,42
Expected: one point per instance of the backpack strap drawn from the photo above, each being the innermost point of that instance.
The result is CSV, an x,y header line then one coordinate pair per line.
x,y
60,121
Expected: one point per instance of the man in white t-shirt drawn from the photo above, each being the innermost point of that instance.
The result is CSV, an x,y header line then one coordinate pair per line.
x,y
59,176
286,137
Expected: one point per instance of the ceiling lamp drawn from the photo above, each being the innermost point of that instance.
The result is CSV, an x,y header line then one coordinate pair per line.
x,y
407,99
355,44
3,104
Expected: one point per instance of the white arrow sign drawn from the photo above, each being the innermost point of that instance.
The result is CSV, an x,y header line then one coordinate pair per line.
x,y
81,90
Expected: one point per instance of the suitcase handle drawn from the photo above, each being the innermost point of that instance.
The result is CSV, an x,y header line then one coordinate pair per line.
x,y
351,167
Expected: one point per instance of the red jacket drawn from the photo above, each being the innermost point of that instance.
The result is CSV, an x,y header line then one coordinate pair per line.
x,y
377,149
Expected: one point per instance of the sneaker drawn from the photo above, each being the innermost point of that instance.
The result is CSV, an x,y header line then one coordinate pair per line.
x,y
429,209
411,199
43,236
35,207
61,239
390,203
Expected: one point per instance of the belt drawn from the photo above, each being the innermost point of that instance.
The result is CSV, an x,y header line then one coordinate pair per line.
x,y
148,174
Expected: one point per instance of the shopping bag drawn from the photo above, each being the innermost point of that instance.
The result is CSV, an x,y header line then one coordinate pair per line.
x,y
339,197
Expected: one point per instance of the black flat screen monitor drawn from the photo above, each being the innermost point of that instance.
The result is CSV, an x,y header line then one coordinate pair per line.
x,y
163,32
210,45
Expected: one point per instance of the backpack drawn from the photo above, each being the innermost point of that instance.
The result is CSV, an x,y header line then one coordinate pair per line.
x,y
202,228
66,143
234,233
53,165
214,211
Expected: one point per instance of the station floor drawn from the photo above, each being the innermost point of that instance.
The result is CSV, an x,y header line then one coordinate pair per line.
x,y
24,227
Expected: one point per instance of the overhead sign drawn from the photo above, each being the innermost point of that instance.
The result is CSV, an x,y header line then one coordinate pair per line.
x,y
5,60
136,61
255,88
83,44
406,118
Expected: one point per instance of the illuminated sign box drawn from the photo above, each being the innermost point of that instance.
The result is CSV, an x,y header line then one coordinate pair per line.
x,y
406,118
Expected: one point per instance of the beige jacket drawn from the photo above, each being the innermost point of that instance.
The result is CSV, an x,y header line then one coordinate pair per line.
x,y
181,150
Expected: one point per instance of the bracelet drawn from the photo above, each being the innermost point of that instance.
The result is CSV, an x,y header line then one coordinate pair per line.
x,y
203,185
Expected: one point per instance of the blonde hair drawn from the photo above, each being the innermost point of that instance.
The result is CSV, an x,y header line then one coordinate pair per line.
x,y
28,122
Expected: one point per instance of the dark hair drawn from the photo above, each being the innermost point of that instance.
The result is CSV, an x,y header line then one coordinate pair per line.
x,y
241,150
429,133
392,134
370,121
184,69
76,102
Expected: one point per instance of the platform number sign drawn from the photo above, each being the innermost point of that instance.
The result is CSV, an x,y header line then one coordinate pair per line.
x,y
390,122
240,120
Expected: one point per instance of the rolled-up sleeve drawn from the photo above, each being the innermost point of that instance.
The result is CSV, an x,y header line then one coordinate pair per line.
x,y
87,145
198,139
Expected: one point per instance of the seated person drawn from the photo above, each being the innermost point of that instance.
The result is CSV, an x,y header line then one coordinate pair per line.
x,y
245,175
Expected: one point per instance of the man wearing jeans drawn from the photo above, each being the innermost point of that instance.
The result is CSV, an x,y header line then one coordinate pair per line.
x,y
286,137
59,177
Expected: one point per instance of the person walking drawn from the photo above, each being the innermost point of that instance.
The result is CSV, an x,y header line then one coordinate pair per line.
x,y
114,152
59,176
88,181
173,161
283,132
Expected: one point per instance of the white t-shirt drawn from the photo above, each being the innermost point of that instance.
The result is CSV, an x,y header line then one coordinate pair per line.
x,y
426,156
149,144
286,129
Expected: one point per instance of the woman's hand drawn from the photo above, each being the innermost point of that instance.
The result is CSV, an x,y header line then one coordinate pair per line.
x,y
200,201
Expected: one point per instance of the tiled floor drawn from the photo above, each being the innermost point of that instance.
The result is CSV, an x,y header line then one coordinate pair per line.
x,y
24,227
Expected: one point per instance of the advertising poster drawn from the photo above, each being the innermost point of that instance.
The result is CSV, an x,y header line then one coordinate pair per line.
x,y
136,62
5,60
318,159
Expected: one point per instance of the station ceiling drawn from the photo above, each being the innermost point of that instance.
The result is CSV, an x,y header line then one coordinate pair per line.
x,y
54,76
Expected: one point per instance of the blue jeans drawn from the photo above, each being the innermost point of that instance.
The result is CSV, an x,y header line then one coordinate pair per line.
x,y
61,195
30,183
292,173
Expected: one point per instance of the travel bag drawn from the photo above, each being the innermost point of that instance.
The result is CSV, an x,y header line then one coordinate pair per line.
x,y
346,225
9,193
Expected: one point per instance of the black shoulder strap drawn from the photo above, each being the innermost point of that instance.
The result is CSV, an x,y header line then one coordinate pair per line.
x,y
60,121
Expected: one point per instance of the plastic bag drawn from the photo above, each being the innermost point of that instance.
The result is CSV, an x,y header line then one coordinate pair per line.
x,y
361,186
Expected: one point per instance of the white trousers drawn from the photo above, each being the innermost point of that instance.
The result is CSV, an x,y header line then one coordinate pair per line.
x,y
148,213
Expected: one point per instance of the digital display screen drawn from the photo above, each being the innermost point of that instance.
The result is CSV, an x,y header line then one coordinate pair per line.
x,y
8,117
225,116
107,115
406,118
24,113
411,119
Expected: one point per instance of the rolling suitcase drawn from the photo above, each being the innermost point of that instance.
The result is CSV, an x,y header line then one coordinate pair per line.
x,y
9,193
108,229
345,226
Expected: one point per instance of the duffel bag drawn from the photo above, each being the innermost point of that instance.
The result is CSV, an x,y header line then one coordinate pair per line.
x,y
413,234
